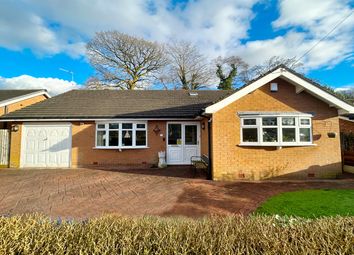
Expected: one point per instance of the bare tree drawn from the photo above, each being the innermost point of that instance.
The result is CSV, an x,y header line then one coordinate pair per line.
x,y
94,83
273,62
123,61
188,68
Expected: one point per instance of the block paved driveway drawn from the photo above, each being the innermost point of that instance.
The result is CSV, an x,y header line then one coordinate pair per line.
x,y
82,193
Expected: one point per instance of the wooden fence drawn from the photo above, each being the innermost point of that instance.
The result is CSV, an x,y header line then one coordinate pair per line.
x,y
4,147
347,146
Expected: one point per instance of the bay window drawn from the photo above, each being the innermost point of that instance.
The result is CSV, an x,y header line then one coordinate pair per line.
x,y
276,130
118,135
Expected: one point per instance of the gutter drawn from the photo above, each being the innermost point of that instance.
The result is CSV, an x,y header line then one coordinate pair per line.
x,y
210,165
210,155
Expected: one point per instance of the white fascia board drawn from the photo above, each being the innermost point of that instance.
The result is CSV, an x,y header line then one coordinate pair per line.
x,y
24,97
243,92
295,80
322,94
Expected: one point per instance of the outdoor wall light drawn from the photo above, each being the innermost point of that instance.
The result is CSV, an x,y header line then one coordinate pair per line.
x,y
14,128
203,125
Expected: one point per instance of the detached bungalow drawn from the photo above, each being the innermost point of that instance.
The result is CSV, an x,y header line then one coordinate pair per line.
x,y
281,124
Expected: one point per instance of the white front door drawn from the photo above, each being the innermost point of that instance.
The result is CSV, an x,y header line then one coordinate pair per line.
x,y
182,142
46,145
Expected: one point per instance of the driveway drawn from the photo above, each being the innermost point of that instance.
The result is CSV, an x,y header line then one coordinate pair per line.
x,y
82,193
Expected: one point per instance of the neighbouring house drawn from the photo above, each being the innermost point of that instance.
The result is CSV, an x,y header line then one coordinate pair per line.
x,y
279,125
12,100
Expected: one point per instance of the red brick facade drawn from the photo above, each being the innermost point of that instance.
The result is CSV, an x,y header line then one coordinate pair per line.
x,y
231,161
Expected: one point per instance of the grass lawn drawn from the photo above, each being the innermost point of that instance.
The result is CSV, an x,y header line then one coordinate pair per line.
x,y
310,203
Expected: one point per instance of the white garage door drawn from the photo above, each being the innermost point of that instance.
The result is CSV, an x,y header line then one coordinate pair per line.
x,y
46,145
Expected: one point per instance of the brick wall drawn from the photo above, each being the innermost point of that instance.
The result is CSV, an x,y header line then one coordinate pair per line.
x,y
231,162
84,154
22,104
15,147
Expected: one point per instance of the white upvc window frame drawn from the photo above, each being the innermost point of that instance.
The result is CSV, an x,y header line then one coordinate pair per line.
x,y
279,143
121,134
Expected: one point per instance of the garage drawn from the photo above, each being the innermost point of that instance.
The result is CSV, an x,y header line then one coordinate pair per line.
x,y
46,145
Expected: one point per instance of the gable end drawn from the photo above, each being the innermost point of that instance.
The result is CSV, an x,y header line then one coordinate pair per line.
x,y
300,83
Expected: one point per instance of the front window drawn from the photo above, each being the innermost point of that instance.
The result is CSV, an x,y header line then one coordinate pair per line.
x,y
305,130
276,130
250,134
121,135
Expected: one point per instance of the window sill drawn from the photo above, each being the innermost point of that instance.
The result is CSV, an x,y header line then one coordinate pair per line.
x,y
276,145
120,148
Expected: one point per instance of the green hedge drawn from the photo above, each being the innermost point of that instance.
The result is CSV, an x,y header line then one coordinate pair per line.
x,y
34,234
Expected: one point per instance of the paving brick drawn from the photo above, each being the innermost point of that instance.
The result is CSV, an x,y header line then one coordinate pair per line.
x,y
83,193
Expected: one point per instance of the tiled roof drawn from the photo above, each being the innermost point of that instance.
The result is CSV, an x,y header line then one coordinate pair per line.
x,y
10,94
99,104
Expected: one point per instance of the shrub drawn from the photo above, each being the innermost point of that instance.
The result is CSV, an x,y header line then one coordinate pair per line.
x,y
35,234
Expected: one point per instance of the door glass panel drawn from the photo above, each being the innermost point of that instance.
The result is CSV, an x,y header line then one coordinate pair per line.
x,y
190,135
174,134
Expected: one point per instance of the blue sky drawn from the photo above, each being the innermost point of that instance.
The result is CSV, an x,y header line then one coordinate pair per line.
x,y
39,37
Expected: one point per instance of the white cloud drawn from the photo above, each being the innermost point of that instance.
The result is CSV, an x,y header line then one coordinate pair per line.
x,y
294,44
53,85
219,27
316,18
21,28
215,25
345,88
